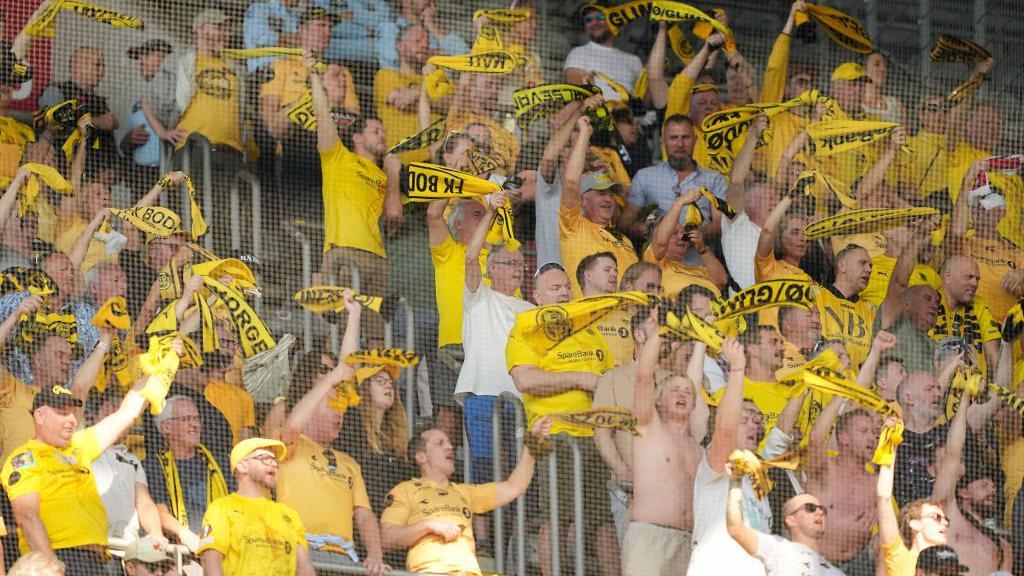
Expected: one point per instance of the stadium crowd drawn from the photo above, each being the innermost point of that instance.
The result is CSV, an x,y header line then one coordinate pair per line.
x,y
763,321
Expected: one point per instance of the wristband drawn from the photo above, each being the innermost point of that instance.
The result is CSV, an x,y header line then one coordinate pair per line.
x,y
103,345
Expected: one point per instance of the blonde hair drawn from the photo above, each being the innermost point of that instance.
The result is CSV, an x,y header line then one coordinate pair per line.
x,y
384,428
36,564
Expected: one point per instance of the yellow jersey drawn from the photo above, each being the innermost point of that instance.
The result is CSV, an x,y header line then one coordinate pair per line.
x,y
616,329
16,424
973,322
353,191
449,259
847,319
311,475
416,500
580,237
398,124
675,275
70,506
234,403
290,82
584,351
898,559
255,535
14,138
213,111
996,258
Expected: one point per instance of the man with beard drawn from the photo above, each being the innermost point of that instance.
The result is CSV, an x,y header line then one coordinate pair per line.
x,y
247,532
313,473
970,511
920,397
665,460
396,93
844,316
804,519
600,54
586,211
764,353
801,332
910,308
962,313
662,183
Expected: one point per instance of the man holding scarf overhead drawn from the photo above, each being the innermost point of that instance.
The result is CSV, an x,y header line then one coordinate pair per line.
x,y
600,54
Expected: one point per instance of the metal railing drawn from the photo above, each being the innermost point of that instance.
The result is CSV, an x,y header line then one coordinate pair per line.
x,y
307,280
322,568
244,176
206,183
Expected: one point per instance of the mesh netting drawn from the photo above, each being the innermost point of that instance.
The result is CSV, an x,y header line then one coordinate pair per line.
x,y
710,288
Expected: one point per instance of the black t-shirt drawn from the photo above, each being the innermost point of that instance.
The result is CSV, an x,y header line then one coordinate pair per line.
x,y
913,457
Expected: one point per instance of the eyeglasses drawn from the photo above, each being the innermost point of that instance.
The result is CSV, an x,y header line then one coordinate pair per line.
x,y
512,265
323,369
811,508
593,16
267,460
937,517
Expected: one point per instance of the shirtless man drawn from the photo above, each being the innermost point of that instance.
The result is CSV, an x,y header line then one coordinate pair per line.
x,y
967,502
665,460
843,484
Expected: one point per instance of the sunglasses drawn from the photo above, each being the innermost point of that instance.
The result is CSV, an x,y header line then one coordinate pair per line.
x,y
811,508
593,16
937,517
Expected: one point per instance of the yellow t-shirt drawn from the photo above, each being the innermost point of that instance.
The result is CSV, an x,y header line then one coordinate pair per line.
x,y
255,535
398,124
617,332
449,258
235,404
924,169
848,320
898,560
353,193
792,360
675,275
96,254
16,425
995,259
312,475
14,137
580,237
770,398
290,82
416,500
70,506
768,268
584,351
213,111
973,323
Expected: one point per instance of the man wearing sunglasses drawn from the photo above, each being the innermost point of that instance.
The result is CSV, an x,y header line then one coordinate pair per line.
x,y
803,519
247,532
600,54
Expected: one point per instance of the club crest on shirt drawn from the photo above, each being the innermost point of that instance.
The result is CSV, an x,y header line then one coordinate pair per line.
x,y
23,460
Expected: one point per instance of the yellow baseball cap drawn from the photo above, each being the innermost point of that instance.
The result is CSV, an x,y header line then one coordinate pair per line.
x,y
848,71
243,449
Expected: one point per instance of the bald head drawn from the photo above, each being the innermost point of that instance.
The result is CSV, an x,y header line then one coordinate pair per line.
x,y
960,277
87,66
804,518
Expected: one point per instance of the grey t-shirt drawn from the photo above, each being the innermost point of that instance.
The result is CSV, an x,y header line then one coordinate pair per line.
x,y
547,201
783,557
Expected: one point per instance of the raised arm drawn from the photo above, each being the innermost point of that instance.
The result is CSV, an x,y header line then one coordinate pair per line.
x,y
745,536
81,152
817,440
519,480
736,196
888,526
112,427
883,342
657,86
326,131
10,198
476,241
788,155
774,84
961,218
643,392
950,466
80,249
901,272
730,407
679,91
871,180
565,122
574,165
306,407
766,241
666,227
89,371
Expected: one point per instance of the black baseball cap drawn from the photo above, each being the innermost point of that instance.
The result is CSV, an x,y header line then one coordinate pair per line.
x,y
154,45
55,397
941,559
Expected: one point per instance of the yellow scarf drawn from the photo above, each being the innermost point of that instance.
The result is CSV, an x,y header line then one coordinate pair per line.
x,y
768,294
836,136
428,182
537,102
30,190
495,62
844,30
865,221
45,26
678,12
216,487
949,48
544,327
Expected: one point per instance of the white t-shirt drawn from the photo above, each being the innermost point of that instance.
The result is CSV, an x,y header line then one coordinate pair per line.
x,y
487,319
783,557
715,552
620,66
117,471
739,245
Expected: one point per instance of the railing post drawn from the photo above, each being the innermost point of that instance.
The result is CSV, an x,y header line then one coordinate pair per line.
x,y
556,558
521,501
577,501
307,280
496,458
410,375
257,214
207,192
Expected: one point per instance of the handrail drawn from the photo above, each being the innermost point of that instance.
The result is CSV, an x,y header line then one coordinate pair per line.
x,y
206,184
410,375
255,194
307,280
322,568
